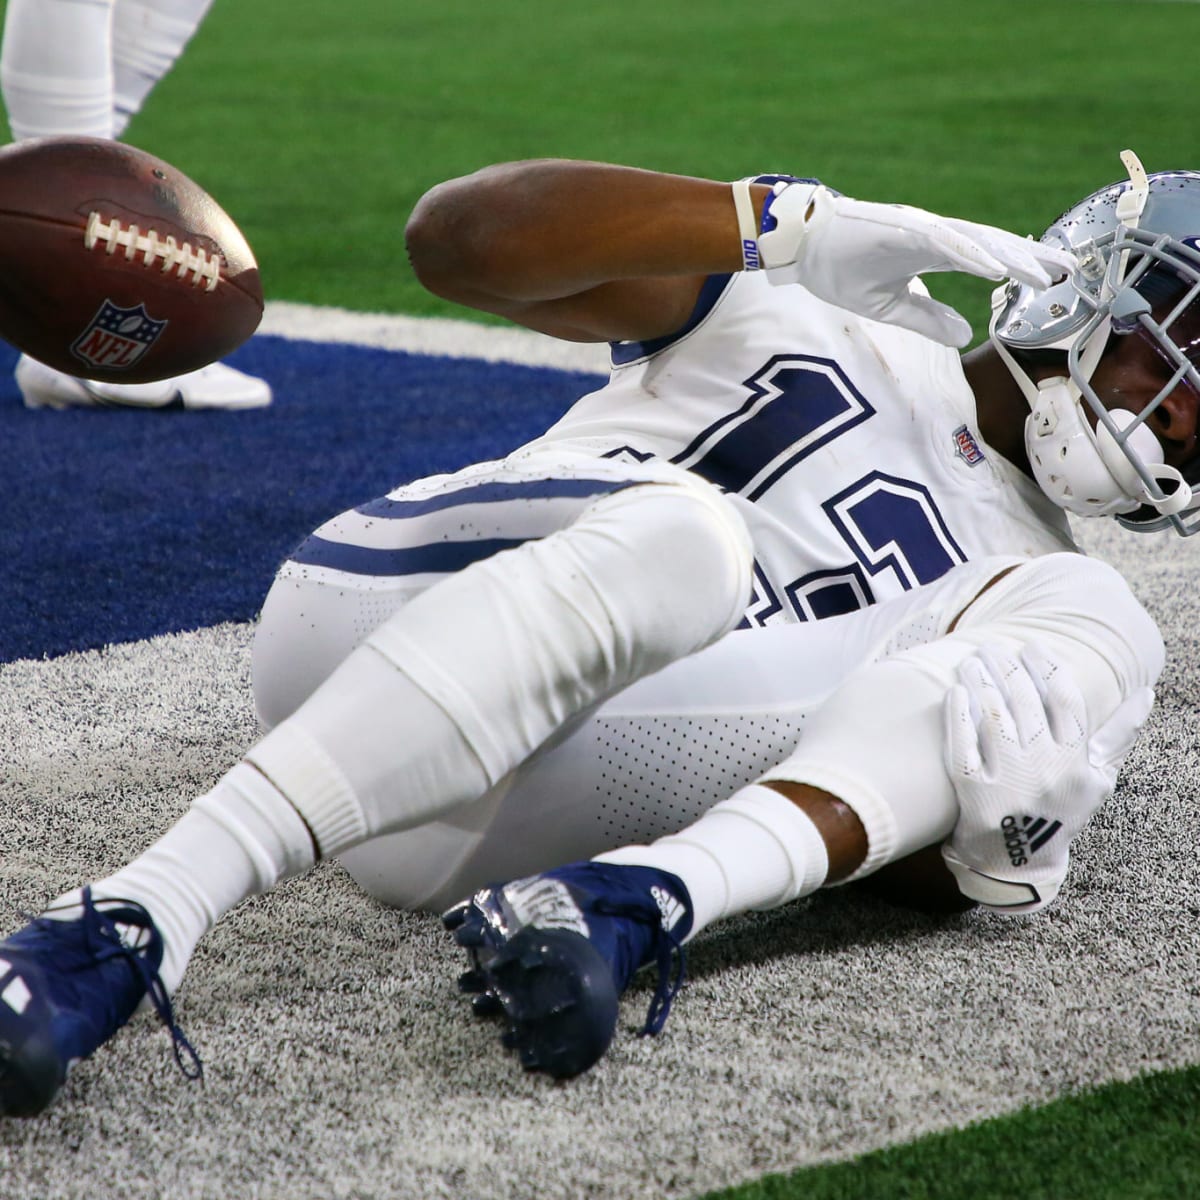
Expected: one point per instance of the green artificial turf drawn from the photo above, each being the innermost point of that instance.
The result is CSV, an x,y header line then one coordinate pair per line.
x,y
319,124
1132,1141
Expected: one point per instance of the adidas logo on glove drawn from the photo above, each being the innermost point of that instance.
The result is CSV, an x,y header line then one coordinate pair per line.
x,y
1025,837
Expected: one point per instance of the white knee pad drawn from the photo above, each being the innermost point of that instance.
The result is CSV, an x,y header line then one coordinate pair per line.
x,y
1085,614
473,675
644,577
306,628
148,36
56,67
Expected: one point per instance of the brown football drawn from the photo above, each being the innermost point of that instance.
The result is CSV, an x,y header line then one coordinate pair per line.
x,y
114,265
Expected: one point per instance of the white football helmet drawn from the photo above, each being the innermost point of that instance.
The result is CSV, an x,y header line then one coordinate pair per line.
x,y
1138,275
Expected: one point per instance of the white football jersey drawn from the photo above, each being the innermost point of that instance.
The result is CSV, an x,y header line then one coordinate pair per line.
x,y
850,446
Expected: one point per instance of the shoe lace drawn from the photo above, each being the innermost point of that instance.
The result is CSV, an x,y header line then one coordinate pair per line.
x,y
665,946
105,942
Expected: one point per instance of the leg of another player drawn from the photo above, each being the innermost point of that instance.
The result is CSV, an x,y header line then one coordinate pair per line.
x,y
148,36
82,68
56,68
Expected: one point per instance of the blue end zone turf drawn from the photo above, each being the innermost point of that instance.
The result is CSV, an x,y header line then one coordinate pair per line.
x,y
117,525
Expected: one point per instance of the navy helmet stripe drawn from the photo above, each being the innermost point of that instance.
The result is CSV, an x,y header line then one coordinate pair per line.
x,y
439,557
493,493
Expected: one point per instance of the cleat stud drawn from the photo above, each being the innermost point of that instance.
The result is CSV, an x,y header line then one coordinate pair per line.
x,y
486,1005
471,981
454,918
509,1038
470,937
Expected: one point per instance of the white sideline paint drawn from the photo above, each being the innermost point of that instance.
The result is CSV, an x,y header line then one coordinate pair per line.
x,y
430,335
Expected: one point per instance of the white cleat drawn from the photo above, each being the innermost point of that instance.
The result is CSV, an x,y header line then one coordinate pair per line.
x,y
214,386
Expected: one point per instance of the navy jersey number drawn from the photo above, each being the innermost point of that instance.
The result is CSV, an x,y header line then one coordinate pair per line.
x,y
892,525
797,404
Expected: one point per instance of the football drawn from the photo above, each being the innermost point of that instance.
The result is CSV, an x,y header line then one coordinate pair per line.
x,y
115,266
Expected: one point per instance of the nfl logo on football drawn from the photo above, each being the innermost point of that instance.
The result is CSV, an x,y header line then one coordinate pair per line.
x,y
116,337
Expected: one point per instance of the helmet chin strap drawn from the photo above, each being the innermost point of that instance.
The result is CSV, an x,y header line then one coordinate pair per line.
x,y
1086,471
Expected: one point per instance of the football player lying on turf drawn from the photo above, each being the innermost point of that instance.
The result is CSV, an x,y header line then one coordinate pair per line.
x,y
762,453
84,68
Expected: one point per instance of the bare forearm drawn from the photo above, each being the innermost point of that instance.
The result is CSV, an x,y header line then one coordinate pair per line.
x,y
548,229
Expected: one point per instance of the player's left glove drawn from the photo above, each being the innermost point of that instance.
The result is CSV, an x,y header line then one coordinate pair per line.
x,y
865,257
1026,773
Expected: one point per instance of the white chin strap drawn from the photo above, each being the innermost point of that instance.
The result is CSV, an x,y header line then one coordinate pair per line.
x,y
1064,453
1083,470
1089,472
1117,467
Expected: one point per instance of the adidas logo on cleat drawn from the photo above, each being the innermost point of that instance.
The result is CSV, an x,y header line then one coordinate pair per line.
x,y
672,909
1025,836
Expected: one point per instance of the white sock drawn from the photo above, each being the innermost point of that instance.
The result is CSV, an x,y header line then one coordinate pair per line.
x,y
756,850
236,841
56,67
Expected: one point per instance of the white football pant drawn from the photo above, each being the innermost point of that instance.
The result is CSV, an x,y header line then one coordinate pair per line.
x,y
458,742
851,704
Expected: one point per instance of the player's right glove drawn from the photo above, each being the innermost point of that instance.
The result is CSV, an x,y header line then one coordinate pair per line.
x,y
1026,773
865,257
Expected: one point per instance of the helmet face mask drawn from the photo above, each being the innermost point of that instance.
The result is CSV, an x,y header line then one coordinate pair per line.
x,y
1138,275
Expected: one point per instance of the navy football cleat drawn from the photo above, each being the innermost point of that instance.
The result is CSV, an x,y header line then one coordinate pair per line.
x,y
66,987
553,953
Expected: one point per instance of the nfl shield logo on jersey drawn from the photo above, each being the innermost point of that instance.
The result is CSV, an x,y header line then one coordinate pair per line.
x,y
117,337
966,447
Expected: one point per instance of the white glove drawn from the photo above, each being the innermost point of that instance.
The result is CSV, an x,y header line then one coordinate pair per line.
x,y
865,257
1027,775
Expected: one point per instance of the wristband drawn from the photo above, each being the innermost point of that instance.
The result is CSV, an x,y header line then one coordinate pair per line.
x,y
747,226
